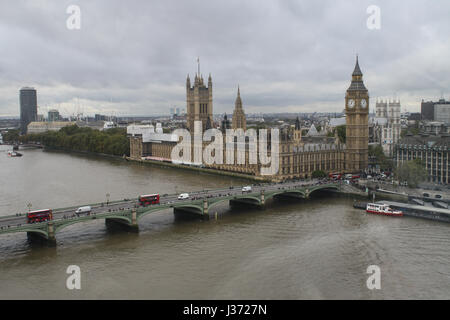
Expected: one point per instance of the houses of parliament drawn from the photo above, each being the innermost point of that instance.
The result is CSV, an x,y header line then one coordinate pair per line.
x,y
299,156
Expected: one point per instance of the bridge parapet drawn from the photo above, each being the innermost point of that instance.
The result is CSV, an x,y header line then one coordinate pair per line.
x,y
128,215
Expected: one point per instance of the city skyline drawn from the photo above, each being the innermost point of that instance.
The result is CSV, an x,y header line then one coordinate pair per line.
x,y
286,57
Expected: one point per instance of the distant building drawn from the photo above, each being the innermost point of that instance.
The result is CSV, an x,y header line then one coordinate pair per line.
x,y
40,127
432,150
427,110
99,117
335,122
386,124
434,127
53,115
28,108
109,125
442,112
413,117
151,143
94,125
436,111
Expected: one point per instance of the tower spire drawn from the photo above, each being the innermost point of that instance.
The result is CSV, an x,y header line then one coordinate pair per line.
x,y
238,103
357,70
198,64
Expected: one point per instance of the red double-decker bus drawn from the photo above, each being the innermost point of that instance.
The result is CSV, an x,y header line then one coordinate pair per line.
x,y
39,216
147,199
335,176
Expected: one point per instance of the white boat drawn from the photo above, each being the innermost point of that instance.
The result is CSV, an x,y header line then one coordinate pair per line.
x,y
382,209
14,154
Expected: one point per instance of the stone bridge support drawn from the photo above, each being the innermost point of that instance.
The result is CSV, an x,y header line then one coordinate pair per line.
x,y
243,202
205,210
48,239
123,224
290,195
195,211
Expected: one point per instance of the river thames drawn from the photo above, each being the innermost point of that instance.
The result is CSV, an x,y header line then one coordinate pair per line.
x,y
298,249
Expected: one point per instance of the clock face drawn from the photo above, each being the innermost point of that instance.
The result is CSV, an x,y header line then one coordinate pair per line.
x,y
363,103
351,103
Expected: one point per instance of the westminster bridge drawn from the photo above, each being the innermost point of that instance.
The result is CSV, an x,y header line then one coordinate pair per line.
x,y
127,213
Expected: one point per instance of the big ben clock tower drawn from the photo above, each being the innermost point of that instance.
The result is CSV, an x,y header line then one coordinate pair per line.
x,y
357,121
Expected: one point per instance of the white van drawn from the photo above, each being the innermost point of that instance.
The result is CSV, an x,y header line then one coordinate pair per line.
x,y
183,196
86,209
246,189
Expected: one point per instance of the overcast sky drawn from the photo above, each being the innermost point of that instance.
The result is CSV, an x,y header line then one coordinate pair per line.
x,y
132,57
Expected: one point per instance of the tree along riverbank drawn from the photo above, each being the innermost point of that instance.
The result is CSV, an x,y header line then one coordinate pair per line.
x,y
73,138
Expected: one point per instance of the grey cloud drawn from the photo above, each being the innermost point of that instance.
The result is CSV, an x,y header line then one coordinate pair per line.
x,y
132,57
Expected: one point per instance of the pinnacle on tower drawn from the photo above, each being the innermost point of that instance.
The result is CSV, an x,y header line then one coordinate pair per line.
x,y
357,71
357,82
238,102
297,124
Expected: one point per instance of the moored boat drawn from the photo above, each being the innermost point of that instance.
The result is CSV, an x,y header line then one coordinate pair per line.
x,y
383,209
14,154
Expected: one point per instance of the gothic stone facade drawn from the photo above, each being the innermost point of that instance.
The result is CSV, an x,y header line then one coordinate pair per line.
x,y
298,157
357,121
199,103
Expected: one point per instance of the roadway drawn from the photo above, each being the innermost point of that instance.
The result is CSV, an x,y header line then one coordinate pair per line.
x,y
128,204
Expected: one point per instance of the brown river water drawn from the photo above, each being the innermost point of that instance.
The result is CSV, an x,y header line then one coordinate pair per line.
x,y
297,249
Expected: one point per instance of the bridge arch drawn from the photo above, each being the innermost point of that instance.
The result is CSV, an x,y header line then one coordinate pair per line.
x,y
191,206
31,230
254,199
323,188
63,224
295,191
140,215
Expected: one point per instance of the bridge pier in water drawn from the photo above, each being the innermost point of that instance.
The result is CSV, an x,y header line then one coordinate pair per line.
x,y
124,224
250,202
193,211
41,238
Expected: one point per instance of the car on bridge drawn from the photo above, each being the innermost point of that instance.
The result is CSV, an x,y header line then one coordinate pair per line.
x,y
183,196
85,209
247,189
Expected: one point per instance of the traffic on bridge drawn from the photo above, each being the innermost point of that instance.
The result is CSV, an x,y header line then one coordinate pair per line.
x,y
46,222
